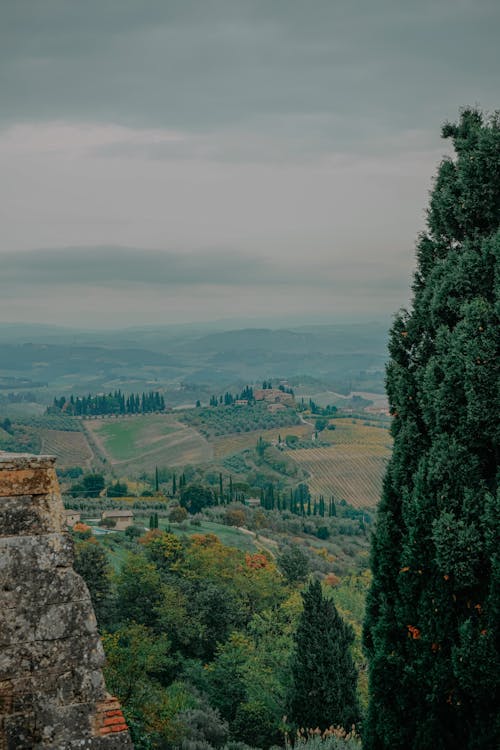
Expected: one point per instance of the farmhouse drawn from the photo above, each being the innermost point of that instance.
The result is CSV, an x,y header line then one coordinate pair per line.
x,y
273,396
72,517
122,518
273,408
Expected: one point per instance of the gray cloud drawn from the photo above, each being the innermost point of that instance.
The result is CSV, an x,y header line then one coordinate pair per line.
x,y
122,266
275,156
202,65
122,287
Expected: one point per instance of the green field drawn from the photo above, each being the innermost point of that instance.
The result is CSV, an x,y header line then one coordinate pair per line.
x,y
123,437
136,444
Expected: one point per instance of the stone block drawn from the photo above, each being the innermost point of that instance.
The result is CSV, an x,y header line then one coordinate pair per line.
x,y
42,552
25,514
52,691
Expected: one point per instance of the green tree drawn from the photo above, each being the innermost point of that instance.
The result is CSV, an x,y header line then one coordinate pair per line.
x,y
91,562
320,424
294,564
117,489
138,591
431,630
93,484
324,678
194,498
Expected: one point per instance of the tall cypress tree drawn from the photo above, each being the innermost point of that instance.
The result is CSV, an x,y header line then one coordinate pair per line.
x,y
431,630
323,687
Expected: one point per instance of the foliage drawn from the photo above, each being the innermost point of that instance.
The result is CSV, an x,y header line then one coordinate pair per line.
x,y
235,517
134,532
177,514
117,489
323,689
333,738
294,564
195,497
138,591
223,619
91,562
91,485
108,403
431,629
204,725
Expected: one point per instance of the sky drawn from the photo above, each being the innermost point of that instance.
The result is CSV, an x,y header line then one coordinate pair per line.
x,y
171,161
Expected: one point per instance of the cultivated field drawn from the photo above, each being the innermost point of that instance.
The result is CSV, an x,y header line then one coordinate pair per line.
x,y
140,443
352,467
228,444
70,448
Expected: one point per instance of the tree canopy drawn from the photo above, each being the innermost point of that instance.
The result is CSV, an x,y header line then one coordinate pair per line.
x,y
431,631
323,689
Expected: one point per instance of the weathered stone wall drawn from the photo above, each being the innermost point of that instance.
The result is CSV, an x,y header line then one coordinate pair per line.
x,y
52,692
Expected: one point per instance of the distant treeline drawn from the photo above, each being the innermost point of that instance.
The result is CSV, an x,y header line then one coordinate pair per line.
x,y
110,403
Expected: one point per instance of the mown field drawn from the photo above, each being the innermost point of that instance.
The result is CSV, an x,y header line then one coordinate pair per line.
x,y
140,443
351,467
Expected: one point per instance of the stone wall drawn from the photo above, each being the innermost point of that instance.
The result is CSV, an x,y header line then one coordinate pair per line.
x,y
52,691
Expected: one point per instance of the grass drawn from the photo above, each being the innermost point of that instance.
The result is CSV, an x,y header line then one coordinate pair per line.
x,y
140,443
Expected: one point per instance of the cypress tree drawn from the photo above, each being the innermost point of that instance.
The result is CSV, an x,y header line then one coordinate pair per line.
x,y
323,686
431,630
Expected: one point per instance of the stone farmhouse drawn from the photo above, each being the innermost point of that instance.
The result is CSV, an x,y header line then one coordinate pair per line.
x,y
122,518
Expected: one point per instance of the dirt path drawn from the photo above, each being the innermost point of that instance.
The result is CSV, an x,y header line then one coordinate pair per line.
x,y
261,541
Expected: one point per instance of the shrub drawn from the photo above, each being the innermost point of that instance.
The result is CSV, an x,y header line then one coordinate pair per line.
x,y
234,517
204,726
177,514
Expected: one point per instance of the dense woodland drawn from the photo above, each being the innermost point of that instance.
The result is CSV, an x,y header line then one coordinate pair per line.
x,y
206,643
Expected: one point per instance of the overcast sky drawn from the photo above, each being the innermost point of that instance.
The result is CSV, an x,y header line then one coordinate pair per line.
x,y
166,161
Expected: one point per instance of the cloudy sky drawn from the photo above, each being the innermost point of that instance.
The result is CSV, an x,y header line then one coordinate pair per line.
x,y
166,161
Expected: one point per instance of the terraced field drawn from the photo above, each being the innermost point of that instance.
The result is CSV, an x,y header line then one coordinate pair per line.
x,y
136,444
70,448
352,467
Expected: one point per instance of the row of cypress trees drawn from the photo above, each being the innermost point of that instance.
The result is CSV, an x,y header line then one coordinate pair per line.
x,y
109,403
